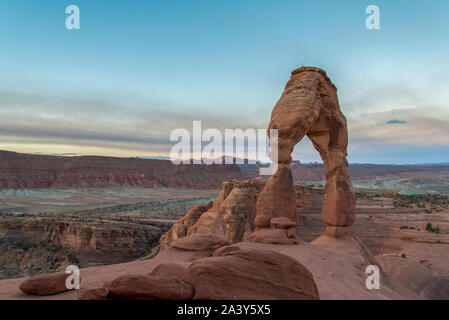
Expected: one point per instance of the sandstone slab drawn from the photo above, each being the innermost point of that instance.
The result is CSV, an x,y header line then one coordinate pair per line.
x,y
148,287
170,270
45,284
200,242
92,294
241,274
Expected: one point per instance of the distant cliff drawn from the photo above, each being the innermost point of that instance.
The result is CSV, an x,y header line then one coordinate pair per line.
x,y
26,171
32,244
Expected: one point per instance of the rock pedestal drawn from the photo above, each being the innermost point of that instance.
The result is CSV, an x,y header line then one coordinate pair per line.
x,y
276,216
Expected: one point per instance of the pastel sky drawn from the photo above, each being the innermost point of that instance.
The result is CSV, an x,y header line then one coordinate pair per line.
x,y
138,69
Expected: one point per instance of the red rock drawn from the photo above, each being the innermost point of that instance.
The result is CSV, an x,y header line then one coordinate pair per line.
x,y
170,270
148,287
92,294
275,236
41,171
308,106
200,242
233,212
277,199
250,274
183,225
282,223
45,284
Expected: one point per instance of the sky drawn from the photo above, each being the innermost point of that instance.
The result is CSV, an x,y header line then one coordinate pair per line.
x,y
137,70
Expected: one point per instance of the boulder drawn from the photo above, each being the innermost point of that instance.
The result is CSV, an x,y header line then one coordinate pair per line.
x,y
92,294
148,287
170,270
250,274
200,242
45,284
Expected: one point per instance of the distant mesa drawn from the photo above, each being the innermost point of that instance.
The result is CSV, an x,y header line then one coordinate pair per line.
x,y
25,171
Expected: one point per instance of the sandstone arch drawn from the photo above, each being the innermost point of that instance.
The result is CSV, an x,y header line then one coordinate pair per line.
x,y
308,106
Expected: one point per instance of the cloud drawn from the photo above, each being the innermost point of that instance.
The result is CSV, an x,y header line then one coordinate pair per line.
x,y
134,127
38,122
394,121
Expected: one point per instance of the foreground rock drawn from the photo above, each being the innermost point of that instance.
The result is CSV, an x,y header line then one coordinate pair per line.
x,y
170,270
148,287
200,242
338,273
45,284
92,294
238,274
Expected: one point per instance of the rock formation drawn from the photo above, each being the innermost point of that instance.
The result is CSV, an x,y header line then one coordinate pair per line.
x,y
224,273
308,106
27,171
48,243
92,294
232,213
148,287
242,274
45,284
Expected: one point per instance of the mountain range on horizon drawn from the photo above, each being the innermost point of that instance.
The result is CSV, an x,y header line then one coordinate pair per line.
x,y
243,160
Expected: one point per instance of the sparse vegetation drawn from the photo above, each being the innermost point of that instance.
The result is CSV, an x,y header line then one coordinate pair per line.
x,y
430,228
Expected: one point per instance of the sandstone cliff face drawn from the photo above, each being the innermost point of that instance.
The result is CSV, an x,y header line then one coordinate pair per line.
x,y
31,245
232,213
23,171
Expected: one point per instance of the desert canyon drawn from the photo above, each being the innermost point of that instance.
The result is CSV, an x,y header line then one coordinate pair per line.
x,y
256,239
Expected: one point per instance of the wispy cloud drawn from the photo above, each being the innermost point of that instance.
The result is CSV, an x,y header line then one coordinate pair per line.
x,y
394,121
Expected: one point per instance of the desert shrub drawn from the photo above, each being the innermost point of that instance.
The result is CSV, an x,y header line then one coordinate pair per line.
x,y
72,258
430,228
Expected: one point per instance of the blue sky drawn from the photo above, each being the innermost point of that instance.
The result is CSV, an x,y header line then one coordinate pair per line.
x,y
137,70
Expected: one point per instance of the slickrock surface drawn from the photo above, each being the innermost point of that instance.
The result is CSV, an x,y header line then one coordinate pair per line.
x,y
170,270
338,274
148,287
201,242
92,294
